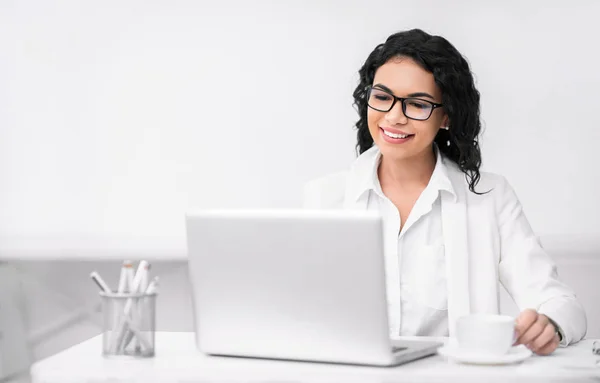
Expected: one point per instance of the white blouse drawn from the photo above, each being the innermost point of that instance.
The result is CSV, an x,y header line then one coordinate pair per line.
x,y
414,258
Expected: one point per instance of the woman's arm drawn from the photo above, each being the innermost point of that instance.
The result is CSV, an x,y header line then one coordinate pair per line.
x,y
529,274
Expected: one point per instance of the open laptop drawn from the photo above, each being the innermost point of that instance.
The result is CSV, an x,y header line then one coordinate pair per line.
x,y
295,285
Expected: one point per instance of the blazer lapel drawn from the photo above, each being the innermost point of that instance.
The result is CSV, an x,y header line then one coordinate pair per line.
x,y
454,226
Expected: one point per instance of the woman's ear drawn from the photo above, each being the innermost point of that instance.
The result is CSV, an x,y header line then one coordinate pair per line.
x,y
445,122
446,126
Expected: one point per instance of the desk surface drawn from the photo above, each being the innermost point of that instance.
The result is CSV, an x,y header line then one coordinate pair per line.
x,y
177,360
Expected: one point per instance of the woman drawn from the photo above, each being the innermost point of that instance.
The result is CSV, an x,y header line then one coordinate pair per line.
x,y
451,232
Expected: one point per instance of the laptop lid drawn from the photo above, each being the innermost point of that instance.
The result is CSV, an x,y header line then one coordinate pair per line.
x,y
289,284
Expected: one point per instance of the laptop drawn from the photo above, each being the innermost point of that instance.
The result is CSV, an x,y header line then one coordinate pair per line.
x,y
293,284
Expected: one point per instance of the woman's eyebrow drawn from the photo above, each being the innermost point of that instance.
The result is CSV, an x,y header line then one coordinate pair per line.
x,y
421,94
417,94
383,87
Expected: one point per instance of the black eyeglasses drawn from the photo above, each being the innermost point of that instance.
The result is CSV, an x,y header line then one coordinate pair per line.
x,y
413,108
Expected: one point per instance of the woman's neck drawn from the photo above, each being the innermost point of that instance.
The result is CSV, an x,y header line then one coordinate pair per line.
x,y
407,173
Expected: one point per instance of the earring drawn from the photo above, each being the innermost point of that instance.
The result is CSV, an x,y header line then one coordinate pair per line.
x,y
448,143
445,128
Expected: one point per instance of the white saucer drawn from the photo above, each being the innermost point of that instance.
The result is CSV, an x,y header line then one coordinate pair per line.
x,y
514,355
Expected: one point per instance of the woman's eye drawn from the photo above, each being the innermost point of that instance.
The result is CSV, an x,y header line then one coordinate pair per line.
x,y
418,105
382,97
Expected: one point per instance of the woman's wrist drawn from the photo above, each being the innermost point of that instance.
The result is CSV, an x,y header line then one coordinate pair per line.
x,y
556,328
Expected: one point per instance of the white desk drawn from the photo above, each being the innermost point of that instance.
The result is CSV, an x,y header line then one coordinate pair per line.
x,y
178,361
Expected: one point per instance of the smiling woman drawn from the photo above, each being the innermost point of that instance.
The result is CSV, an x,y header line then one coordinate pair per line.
x,y
452,233
417,57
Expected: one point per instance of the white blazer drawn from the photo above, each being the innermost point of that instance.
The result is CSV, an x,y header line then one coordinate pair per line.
x,y
487,240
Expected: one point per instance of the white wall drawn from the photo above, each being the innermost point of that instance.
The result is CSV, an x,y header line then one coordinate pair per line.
x,y
113,120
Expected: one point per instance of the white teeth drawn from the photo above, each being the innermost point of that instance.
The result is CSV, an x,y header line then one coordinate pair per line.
x,y
395,135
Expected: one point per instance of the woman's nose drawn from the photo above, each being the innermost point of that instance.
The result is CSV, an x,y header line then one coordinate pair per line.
x,y
396,115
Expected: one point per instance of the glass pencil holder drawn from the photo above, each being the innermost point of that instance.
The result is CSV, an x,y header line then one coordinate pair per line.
x,y
129,324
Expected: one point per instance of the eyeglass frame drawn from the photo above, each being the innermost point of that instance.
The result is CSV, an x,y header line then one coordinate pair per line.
x,y
402,100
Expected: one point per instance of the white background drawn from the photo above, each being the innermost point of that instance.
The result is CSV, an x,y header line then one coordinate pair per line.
x,y
118,116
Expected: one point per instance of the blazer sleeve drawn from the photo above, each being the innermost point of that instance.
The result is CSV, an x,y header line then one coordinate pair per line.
x,y
529,274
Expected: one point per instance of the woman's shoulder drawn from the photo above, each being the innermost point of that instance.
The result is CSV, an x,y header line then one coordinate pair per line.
x,y
491,181
329,191
326,191
489,185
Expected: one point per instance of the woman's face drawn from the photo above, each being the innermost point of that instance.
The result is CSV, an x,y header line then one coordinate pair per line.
x,y
402,77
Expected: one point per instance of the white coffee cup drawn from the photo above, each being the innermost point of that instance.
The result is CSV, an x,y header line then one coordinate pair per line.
x,y
485,333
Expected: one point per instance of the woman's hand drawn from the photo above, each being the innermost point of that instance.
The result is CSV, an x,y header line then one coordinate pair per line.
x,y
535,331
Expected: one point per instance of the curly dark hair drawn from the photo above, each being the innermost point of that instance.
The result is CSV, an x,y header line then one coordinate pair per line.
x,y
452,75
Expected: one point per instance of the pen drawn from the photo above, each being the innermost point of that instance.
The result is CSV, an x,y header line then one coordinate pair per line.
x,y
138,309
144,279
119,335
140,274
152,287
130,275
124,285
124,278
104,287
100,282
